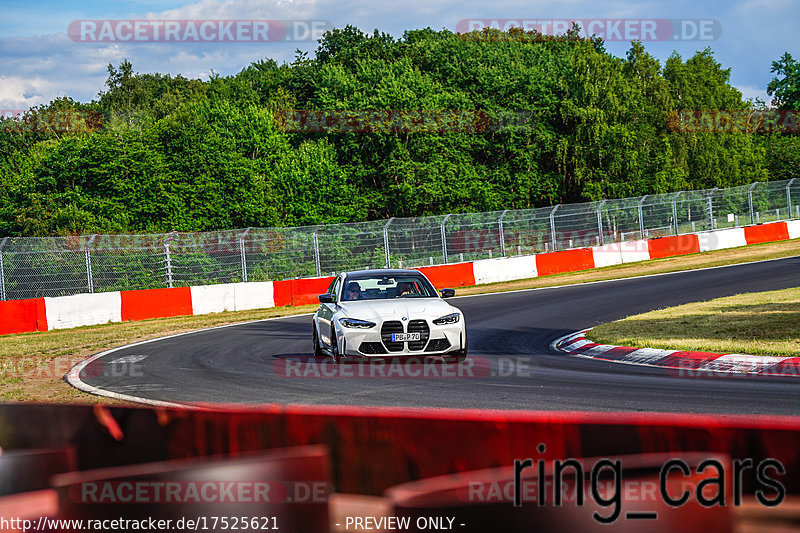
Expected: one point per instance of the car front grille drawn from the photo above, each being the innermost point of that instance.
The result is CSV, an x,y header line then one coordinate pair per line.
x,y
438,345
421,327
392,326
371,348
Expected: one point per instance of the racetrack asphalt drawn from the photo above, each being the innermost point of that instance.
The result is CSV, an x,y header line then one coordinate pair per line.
x,y
511,365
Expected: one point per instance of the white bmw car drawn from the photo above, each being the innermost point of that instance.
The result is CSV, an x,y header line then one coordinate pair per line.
x,y
387,313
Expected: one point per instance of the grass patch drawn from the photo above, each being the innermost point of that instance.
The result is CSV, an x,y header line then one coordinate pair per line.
x,y
32,364
761,323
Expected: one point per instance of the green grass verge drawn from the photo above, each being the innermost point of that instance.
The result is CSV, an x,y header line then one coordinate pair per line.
x,y
760,323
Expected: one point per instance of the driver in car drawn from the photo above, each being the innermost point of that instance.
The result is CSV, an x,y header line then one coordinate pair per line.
x,y
404,287
353,291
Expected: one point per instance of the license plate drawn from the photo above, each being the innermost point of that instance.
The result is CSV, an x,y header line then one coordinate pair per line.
x,y
403,337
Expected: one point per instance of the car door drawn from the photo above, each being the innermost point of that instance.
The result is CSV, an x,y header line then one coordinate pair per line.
x,y
326,311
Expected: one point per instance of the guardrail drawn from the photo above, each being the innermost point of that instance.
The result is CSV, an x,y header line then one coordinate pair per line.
x,y
36,267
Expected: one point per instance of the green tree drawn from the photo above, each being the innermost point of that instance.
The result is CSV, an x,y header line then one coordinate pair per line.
x,y
785,89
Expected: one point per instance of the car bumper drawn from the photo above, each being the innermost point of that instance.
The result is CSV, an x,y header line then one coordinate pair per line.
x,y
368,343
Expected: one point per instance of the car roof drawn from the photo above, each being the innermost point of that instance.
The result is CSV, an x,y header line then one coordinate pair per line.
x,y
358,274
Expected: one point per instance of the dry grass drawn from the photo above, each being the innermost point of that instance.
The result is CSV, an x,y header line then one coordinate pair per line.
x,y
762,323
32,364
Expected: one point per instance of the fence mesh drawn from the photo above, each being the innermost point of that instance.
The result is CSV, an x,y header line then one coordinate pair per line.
x,y
58,266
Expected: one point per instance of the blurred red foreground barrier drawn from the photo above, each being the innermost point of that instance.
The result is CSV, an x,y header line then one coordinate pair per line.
x,y
374,448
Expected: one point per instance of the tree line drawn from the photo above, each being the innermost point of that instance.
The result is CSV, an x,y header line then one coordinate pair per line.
x,y
426,124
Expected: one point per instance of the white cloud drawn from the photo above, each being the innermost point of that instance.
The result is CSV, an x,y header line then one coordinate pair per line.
x,y
749,92
239,9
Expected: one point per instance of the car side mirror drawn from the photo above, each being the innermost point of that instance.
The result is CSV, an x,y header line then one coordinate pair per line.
x,y
448,293
326,298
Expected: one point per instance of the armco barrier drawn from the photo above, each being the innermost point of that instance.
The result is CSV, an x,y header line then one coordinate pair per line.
x,y
22,316
566,261
766,233
455,275
670,246
721,239
156,303
83,310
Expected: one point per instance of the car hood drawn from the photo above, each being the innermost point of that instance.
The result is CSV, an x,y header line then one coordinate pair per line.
x,y
397,308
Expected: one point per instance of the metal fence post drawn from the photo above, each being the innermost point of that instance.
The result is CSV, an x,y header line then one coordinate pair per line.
x,y
641,216
710,199
789,197
386,241
750,201
168,259
444,238
600,222
2,274
316,254
502,233
242,253
89,281
553,226
675,211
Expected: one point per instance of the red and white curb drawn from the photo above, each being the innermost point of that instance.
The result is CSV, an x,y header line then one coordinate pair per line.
x,y
688,363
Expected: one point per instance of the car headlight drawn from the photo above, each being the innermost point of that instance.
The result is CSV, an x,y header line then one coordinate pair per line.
x,y
356,323
447,319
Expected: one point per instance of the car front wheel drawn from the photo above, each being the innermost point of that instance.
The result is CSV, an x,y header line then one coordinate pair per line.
x,y
334,346
318,353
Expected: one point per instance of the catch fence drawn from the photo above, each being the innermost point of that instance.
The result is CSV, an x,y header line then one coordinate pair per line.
x,y
32,267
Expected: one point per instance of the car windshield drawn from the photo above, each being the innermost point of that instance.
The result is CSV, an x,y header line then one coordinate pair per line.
x,y
387,287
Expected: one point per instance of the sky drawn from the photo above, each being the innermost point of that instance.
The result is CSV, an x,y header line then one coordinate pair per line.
x,y
47,51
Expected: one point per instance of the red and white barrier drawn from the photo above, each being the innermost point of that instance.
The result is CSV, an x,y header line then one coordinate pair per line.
x,y
566,261
22,316
766,233
793,226
721,239
232,297
42,314
77,310
620,252
504,269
